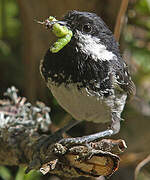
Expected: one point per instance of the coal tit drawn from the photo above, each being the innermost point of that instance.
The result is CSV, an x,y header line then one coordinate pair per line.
x,y
88,77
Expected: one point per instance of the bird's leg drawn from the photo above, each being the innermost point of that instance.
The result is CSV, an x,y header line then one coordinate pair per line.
x,y
57,136
114,129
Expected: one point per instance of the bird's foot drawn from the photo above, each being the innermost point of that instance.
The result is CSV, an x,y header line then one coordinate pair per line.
x,y
85,139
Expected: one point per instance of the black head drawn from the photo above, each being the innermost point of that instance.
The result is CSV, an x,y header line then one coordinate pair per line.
x,y
85,23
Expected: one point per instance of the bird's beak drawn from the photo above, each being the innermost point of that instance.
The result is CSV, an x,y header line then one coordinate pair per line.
x,y
63,23
48,24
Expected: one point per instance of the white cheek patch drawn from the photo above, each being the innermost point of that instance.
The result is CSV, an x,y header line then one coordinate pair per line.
x,y
91,46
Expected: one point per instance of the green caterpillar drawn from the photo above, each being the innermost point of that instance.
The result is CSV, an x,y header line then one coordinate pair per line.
x,y
63,33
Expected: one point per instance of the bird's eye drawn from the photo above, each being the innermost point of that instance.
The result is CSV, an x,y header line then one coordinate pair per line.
x,y
87,28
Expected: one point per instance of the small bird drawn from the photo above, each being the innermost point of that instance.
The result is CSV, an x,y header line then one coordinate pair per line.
x,y
88,76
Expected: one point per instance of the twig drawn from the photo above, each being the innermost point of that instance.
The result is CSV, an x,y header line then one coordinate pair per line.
x,y
120,19
140,165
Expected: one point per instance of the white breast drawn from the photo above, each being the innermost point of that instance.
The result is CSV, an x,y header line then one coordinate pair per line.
x,y
80,104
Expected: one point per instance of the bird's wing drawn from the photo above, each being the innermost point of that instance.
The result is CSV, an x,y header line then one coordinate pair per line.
x,y
125,82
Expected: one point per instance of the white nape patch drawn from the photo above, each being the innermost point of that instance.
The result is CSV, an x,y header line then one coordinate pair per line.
x,y
92,46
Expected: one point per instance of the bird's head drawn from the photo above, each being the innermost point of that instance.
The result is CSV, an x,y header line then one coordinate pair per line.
x,y
90,34
86,23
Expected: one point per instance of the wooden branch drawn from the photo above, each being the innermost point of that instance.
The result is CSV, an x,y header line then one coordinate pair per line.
x,y
23,142
82,160
120,19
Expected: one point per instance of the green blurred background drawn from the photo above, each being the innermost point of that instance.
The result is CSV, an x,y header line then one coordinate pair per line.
x,y
23,44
